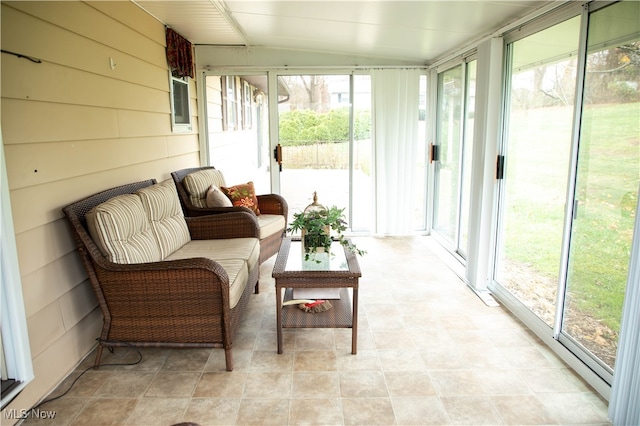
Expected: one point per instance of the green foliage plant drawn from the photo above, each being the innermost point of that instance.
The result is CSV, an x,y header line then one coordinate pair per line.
x,y
316,227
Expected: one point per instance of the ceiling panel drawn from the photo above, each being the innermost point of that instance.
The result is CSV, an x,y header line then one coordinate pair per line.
x,y
403,30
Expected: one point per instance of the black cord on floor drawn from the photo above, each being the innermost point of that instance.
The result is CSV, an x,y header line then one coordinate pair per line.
x,y
35,407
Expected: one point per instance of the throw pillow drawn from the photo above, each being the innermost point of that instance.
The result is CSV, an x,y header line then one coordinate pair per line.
x,y
215,198
242,195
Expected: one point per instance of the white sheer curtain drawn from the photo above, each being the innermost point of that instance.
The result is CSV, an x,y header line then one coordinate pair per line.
x,y
395,133
624,403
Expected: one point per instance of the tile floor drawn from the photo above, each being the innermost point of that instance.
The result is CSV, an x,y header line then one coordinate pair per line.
x,y
430,352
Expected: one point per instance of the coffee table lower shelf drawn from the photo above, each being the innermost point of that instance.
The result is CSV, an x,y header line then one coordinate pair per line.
x,y
339,316
343,314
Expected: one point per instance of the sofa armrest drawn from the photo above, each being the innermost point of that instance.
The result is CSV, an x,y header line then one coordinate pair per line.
x,y
240,224
182,287
273,204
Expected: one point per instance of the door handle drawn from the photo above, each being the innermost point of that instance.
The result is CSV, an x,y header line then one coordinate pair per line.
x,y
434,153
277,155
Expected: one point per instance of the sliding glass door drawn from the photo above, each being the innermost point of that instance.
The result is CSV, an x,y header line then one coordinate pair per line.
x,y
452,155
572,172
324,130
537,160
606,182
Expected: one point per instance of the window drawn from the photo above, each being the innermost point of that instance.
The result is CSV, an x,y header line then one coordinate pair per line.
x,y
229,103
180,111
247,106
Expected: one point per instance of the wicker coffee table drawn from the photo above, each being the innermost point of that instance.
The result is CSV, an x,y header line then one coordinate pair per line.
x,y
341,271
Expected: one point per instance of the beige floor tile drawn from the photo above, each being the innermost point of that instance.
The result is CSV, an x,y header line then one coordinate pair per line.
x,y
509,337
445,358
314,340
572,408
125,384
187,359
362,361
394,340
217,360
396,360
158,411
522,410
85,386
212,411
425,410
227,384
133,359
488,358
319,360
105,411
362,384
246,338
268,341
368,411
382,309
271,361
455,383
524,357
385,323
502,382
546,380
311,411
118,356
316,385
268,385
255,411
471,410
343,338
173,384
427,338
409,383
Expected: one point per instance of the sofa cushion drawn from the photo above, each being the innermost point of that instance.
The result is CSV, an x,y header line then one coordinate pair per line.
x,y
247,249
243,195
237,256
270,224
163,209
198,183
121,230
215,198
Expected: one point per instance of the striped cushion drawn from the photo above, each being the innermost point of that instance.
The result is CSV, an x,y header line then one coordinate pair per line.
x,y
237,256
197,184
162,205
122,231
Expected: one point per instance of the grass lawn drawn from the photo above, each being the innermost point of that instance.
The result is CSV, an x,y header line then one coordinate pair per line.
x,y
607,187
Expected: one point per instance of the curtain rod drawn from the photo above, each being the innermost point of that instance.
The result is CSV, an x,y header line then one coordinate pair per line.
x,y
311,67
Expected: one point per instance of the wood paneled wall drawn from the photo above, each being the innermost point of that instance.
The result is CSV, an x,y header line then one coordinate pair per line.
x,y
73,125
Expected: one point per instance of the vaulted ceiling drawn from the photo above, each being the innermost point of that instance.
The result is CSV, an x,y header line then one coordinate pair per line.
x,y
393,30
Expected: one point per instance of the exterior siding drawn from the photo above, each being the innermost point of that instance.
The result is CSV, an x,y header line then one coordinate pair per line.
x,y
73,126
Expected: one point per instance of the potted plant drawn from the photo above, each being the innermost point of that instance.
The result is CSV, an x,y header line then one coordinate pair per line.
x,y
316,224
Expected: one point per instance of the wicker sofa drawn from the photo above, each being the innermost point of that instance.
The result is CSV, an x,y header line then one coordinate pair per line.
x,y
192,185
163,280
